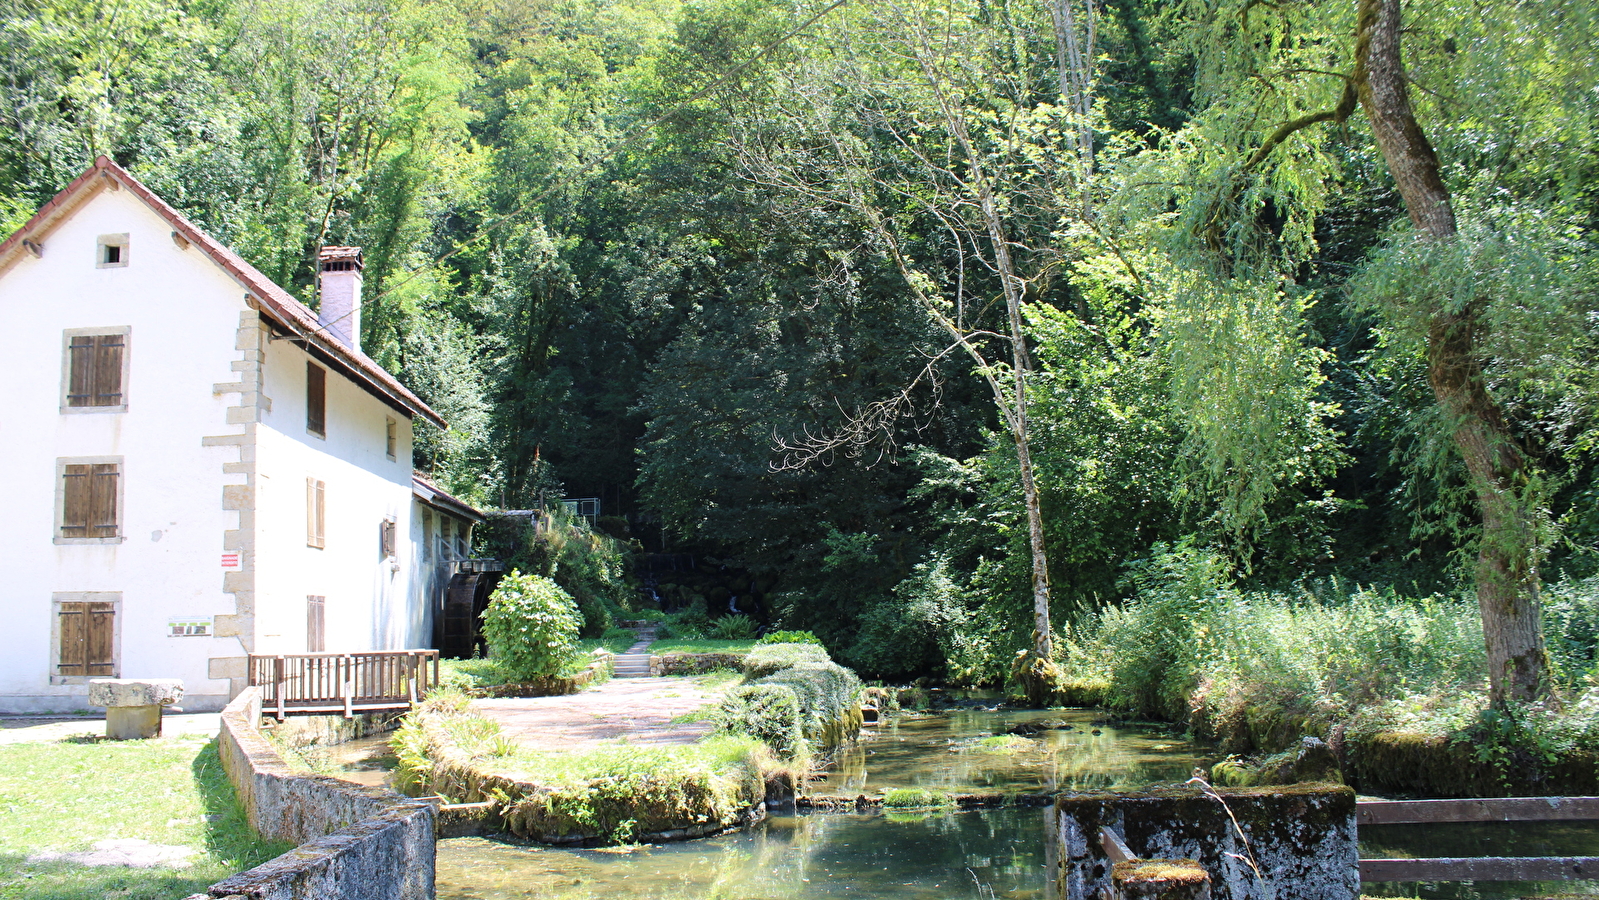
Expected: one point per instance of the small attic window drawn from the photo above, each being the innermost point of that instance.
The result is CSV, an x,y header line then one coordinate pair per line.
x,y
111,251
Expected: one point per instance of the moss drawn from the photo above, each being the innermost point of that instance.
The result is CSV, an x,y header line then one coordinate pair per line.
x,y
916,798
1004,743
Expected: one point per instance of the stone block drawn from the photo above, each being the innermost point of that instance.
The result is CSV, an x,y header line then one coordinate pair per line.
x,y
133,723
1288,843
226,667
115,692
1160,879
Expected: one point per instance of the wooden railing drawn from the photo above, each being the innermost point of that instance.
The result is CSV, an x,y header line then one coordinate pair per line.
x,y
345,683
1479,868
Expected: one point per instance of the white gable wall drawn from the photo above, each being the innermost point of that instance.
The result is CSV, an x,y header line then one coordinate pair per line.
x,y
182,313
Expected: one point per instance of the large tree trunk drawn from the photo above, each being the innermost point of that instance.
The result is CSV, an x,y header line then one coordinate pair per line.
x,y
1507,571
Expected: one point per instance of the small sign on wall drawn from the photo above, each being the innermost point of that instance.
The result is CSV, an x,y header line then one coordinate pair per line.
x,y
189,626
230,560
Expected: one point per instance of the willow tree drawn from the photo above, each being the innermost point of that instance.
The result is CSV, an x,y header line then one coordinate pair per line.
x,y
1485,303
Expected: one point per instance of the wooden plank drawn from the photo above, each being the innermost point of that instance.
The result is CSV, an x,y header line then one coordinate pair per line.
x,y
1115,848
1481,868
1504,809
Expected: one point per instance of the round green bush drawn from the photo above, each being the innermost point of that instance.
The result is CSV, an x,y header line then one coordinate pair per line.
x,y
531,626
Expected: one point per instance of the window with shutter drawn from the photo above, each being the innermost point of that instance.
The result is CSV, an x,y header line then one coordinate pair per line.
x,y
315,624
316,400
391,438
89,505
389,537
86,638
95,368
315,513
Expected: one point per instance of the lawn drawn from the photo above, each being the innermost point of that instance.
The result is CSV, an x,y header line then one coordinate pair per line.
x,y
66,795
700,645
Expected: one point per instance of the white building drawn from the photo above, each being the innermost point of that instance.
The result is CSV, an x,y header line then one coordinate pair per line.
x,y
200,469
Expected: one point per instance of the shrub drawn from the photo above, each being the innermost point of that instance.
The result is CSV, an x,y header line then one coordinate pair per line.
x,y
531,626
734,628
769,713
767,659
827,694
789,637
689,622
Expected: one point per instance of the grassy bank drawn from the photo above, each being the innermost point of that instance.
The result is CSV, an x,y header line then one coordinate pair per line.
x,y
790,702
609,793
65,796
1397,685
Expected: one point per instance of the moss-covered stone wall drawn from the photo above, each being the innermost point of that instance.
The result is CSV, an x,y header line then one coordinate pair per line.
x,y
1291,843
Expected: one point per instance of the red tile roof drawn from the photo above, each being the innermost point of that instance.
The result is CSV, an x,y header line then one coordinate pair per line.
x,y
267,297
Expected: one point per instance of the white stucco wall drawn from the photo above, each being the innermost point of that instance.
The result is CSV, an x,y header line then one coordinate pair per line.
x,y
182,313
367,606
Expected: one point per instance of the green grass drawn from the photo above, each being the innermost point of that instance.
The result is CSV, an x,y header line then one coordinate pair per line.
x,y
465,673
616,640
67,795
699,645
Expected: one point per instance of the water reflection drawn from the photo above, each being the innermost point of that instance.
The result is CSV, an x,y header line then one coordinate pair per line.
x,y
1059,749
985,855
991,854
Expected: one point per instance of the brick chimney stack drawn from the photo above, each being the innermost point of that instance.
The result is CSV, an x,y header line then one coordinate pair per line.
x,y
339,290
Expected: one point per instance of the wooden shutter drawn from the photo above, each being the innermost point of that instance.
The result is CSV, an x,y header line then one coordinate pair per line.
x,y
95,370
108,370
89,500
315,513
87,632
389,535
316,399
315,624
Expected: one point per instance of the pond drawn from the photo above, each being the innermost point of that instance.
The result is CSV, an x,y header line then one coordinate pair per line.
x,y
982,854
978,854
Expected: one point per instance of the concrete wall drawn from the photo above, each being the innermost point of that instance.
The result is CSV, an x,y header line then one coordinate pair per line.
x,y
1301,838
182,315
356,843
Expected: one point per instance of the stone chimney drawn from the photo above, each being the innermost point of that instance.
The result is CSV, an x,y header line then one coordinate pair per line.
x,y
339,290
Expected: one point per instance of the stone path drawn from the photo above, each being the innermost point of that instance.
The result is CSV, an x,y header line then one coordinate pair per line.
x,y
36,729
638,710
635,663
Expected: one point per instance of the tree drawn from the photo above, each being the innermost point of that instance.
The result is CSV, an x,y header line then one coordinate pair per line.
x,y
929,128
1461,299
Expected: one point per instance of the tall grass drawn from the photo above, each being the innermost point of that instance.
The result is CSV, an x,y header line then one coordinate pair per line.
x,y
1257,669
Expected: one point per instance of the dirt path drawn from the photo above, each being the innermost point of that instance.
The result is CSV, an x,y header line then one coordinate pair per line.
x,y
640,710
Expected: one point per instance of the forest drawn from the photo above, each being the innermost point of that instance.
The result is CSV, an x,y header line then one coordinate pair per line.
x,y
1172,345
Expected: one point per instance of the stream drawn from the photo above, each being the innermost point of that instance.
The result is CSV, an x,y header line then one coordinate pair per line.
x,y
982,854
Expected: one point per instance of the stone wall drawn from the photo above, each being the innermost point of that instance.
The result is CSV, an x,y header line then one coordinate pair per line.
x,y
1300,839
694,663
356,842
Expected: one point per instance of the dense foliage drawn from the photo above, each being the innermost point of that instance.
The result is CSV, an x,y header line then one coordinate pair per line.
x,y
531,627
748,272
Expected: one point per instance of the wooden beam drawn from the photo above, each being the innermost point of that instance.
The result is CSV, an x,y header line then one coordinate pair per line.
x,y
1114,846
1507,809
1481,868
